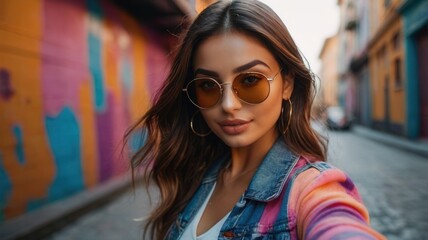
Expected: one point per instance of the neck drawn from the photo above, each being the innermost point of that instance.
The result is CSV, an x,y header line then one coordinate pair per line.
x,y
247,159
227,176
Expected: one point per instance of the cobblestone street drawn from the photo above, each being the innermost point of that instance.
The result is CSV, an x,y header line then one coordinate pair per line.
x,y
393,184
120,219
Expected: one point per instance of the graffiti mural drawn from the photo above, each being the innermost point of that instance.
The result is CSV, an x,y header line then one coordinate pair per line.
x,y
74,75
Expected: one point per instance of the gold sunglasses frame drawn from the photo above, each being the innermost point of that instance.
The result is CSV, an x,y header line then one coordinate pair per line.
x,y
229,83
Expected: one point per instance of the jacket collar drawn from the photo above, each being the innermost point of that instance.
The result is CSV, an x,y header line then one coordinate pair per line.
x,y
274,170
270,177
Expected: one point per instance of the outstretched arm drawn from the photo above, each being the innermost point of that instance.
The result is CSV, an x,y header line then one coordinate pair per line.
x,y
327,205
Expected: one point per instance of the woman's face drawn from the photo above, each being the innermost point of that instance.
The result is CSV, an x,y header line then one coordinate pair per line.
x,y
239,124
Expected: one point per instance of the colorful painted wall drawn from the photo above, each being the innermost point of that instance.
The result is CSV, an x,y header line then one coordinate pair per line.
x,y
74,74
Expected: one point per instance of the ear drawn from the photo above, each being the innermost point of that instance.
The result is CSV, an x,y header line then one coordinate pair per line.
x,y
288,86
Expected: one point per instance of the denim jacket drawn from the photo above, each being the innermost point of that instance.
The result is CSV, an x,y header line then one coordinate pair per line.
x,y
262,211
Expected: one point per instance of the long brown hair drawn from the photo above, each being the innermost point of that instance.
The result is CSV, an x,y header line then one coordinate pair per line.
x,y
172,155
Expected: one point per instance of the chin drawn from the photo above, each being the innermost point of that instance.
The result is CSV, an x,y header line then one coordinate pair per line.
x,y
236,141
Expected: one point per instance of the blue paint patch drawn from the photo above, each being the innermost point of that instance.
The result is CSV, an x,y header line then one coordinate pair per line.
x,y
5,189
64,139
415,19
95,67
137,140
127,74
412,100
35,204
19,148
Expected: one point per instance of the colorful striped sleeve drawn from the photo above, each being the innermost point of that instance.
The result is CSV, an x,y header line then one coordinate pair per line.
x,y
327,205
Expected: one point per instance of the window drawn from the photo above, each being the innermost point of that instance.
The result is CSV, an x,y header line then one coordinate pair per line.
x,y
384,56
396,41
396,62
398,78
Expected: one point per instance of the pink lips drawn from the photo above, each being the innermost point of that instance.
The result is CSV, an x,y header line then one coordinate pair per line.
x,y
234,127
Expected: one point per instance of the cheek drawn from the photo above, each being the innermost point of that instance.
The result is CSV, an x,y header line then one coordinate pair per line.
x,y
208,116
270,113
273,105
274,101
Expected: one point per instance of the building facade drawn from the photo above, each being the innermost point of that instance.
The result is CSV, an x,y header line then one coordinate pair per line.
x,y
415,36
328,72
358,22
382,64
347,85
386,58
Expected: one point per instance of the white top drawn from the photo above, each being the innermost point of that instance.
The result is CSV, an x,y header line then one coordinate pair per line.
x,y
212,233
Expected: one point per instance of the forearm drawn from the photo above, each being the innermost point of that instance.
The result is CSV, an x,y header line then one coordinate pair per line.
x,y
328,206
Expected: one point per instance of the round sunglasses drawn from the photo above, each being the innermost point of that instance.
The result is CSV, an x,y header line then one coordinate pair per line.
x,y
249,87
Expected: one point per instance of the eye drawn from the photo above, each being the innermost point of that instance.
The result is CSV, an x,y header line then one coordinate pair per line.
x,y
250,79
206,84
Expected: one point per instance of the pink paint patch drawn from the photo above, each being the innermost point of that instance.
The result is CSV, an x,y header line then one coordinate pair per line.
x,y
60,88
158,64
111,125
64,55
120,123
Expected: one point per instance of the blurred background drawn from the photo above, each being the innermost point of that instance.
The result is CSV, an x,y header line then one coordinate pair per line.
x,y
75,74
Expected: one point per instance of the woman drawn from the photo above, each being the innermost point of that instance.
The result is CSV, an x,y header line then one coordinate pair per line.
x,y
229,141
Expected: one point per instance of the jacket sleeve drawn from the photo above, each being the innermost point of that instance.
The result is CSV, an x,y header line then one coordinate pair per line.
x,y
327,205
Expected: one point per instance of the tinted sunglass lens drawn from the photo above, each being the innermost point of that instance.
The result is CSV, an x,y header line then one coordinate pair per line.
x,y
204,92
252,87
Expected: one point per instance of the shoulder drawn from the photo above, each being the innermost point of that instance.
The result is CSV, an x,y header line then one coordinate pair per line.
x,y
309,171
322,176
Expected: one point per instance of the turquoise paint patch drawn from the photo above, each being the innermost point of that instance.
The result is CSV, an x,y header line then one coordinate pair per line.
x,y
412,103
137,140
415,18
35,204
127,74
19,148
96,71
95,60
5,188
64,139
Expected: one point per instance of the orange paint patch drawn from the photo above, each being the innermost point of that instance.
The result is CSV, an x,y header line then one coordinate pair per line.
x,y
31,173
88,139
32,178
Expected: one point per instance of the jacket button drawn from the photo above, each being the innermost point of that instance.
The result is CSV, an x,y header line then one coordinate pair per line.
x,y
228,234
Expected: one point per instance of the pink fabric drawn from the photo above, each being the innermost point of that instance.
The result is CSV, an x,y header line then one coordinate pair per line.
x,y
327,204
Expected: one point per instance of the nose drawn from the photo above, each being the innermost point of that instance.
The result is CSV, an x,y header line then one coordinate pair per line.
x,y
230,101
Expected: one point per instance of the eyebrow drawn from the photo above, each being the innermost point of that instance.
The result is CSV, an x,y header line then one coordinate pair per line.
x,y
236,70
249,65
206,72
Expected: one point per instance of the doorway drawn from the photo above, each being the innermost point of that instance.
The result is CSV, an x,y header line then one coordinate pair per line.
x,y
422,52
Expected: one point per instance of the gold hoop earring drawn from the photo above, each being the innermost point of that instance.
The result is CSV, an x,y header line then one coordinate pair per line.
x,y
290,113
192,126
